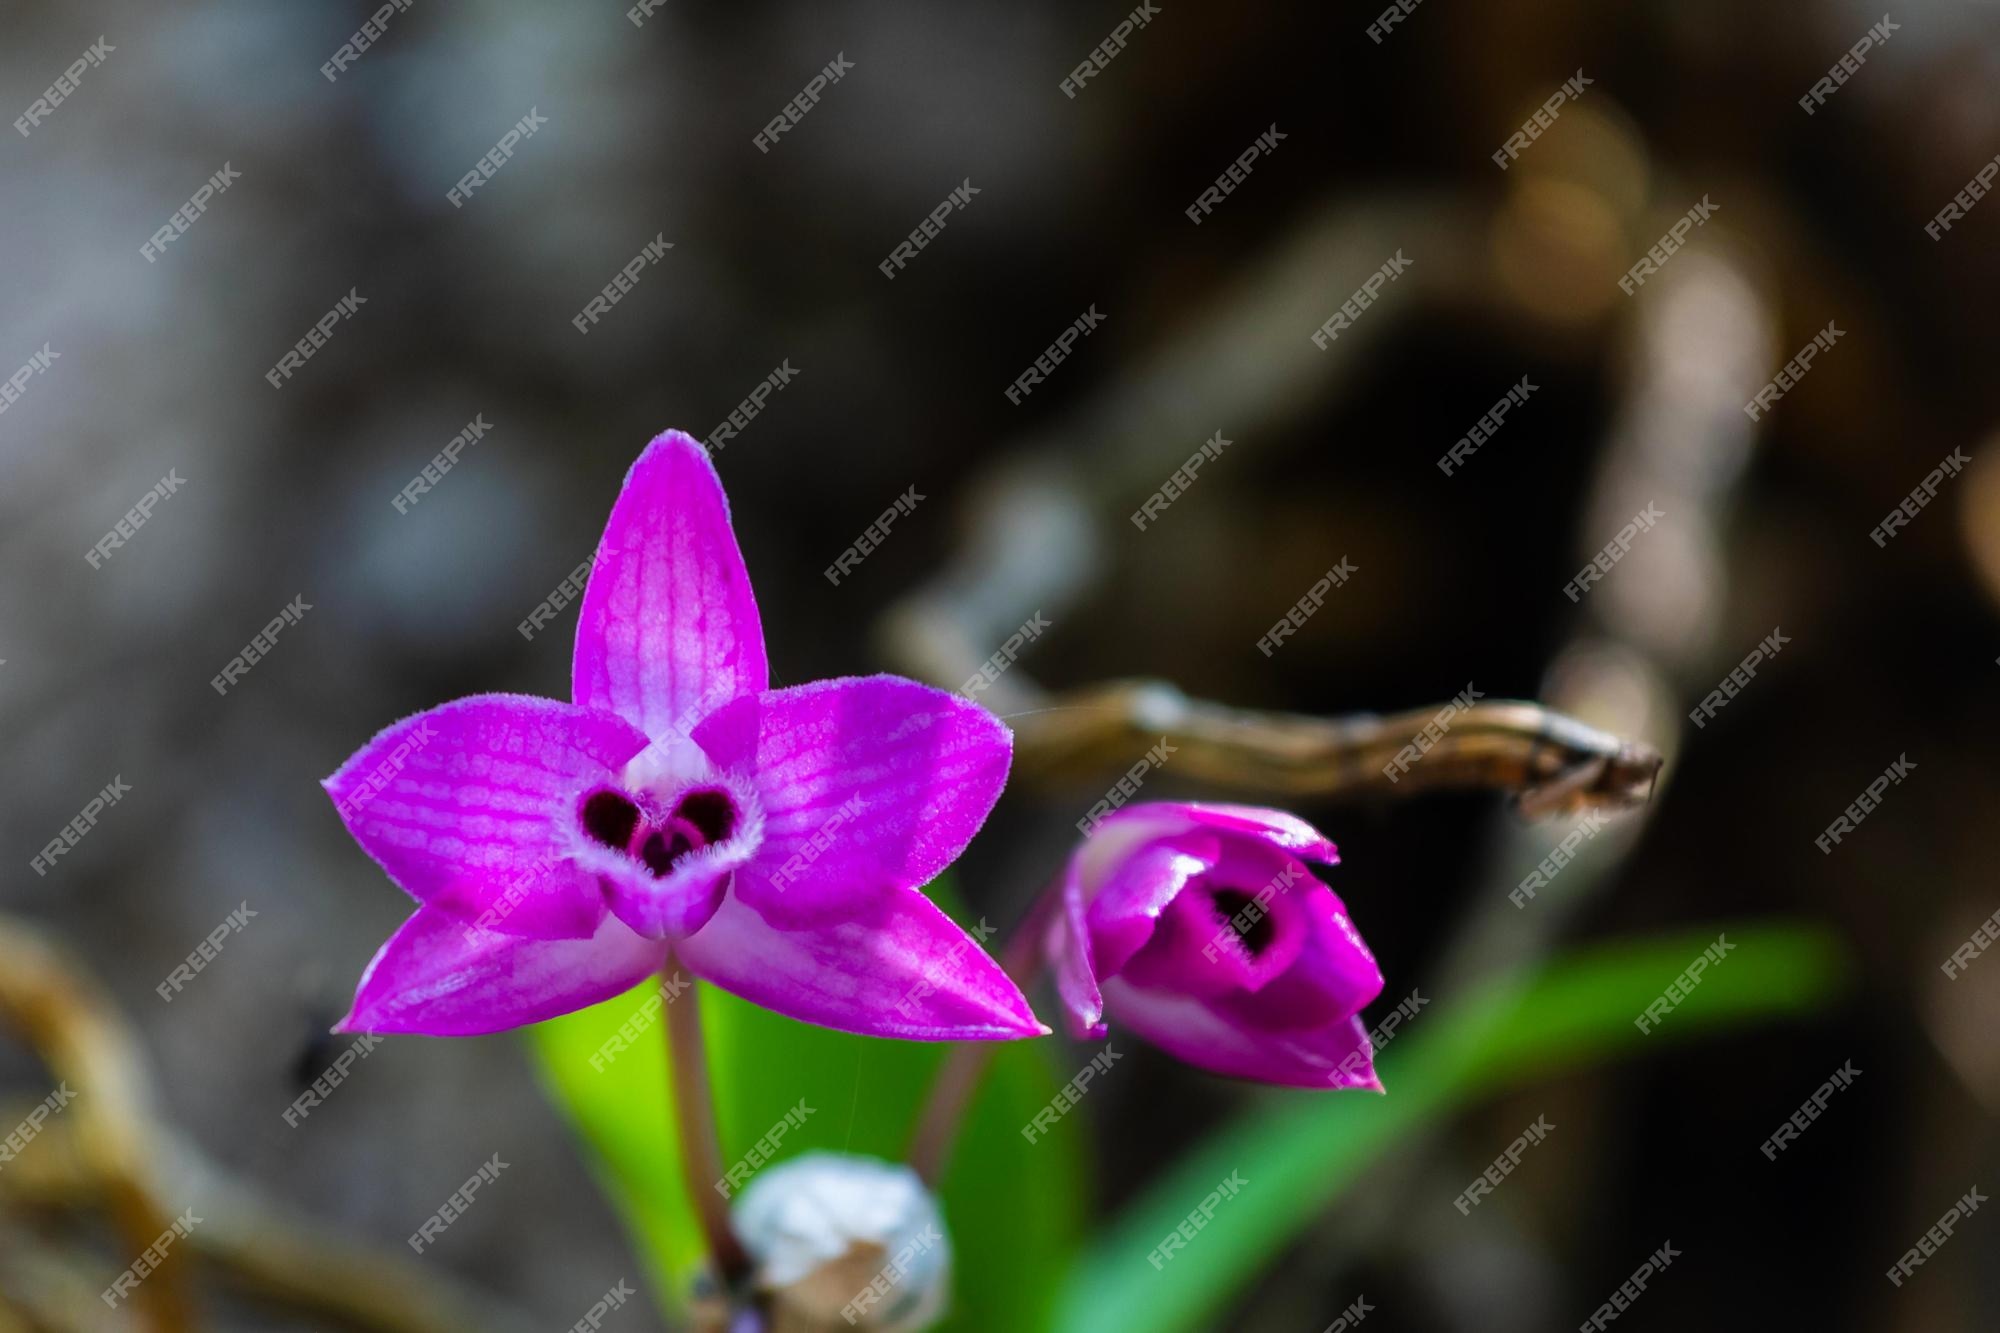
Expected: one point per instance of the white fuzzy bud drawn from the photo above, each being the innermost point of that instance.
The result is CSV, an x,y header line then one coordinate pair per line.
x,y
846,1242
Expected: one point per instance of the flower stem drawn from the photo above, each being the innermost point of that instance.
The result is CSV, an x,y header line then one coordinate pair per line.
x,y
958,1077
694,1124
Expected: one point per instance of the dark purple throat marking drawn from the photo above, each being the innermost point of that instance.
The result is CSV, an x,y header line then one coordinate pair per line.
x,y
700,818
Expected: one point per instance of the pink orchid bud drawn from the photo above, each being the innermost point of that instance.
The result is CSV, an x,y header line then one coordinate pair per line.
x,y
1200,928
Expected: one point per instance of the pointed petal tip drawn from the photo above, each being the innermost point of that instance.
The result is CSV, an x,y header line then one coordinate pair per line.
x,y
365,1024
436,977
1029,1026
364,1016
1341,1080
1011,1030
660,450
1007,1016
1085,1025
674,438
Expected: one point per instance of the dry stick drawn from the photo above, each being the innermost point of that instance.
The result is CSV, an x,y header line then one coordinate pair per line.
x,y
1553,763
65,1018
694,1124
45,1288
958,1077
309,1266
263,1252
111,1149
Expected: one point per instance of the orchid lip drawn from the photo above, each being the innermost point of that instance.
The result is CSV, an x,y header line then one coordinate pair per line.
x,y
663,848
617,820
710,811
608,817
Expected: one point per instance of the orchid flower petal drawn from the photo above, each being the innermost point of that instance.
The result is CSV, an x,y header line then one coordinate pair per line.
x,y
1071,952
1126,910
1242,924
1337,1054
1334,974
470,808
899,967
440,977
668,629
664,907
866,784
1278,828
1198,927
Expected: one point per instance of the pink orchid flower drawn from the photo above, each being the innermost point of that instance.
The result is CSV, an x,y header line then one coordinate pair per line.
x,y
1200,928
772,840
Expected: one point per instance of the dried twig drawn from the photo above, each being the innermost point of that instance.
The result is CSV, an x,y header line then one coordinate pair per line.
x,y
110,1150
45,996
1553,763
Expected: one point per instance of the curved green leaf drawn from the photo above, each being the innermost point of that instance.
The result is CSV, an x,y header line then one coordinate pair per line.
x,y
1296,1152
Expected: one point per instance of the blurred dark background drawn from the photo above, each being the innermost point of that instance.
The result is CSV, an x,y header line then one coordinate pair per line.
x,y
1388,146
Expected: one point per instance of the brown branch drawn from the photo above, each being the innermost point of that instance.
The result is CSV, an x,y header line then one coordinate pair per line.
x,y
1551,762
109,1150
46,997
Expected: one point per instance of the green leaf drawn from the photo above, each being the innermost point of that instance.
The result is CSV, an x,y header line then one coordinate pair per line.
x,y
621,1108
1013,1209
1296,1152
